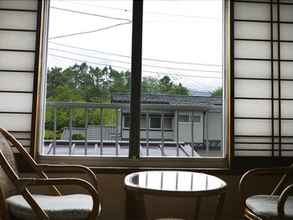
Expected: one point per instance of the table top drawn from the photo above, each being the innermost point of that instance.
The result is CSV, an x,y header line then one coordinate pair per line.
x,y
181,182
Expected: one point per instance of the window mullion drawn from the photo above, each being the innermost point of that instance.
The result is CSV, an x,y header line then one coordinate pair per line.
x,y
136,63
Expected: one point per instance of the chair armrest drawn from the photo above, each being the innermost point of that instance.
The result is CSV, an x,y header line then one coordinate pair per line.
x,y
259,171
282,200
25,182
66,168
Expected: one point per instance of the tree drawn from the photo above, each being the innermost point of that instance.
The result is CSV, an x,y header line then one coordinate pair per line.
x,y
84,83
163,86
217,92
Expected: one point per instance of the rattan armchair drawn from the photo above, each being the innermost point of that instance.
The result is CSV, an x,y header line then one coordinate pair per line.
x,y
17,201
277,205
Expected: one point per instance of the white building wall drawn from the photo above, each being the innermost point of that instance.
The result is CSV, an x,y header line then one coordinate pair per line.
x,y
214,126
185,130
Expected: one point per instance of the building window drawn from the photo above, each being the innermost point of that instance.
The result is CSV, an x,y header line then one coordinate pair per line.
x,y
155,122
184,118
90,91
126,120
168,123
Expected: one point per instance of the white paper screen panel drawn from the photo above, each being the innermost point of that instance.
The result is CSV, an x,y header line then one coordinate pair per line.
x,y
16,122
17,40
286,32
262,74
18,20
252,127
15,102
17,60
252,30
253,11
19,4
16,81
286,13
18,31
248,68
256,89
244,49
253,108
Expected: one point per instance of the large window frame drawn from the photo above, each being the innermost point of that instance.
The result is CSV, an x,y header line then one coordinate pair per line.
x,y
134,159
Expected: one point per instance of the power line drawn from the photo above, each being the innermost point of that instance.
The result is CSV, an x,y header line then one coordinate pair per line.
x,y
84,55
89,32
148,65
92,50
144,58
182,75
122,67
100,6
90,14
84,61
150,12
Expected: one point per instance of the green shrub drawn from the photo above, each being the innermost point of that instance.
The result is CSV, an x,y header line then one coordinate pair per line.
x,y
50,135
77,137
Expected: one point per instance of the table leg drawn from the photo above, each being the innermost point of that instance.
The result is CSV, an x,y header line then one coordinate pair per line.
x,y
135,208
221,199
197,207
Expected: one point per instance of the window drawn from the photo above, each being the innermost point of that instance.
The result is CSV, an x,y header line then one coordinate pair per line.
x,y
168,123
126,121
183,118
155,122
109,93
196,119
189,118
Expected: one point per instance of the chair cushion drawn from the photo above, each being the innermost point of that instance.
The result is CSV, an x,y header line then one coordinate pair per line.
x,y
267,206
75,207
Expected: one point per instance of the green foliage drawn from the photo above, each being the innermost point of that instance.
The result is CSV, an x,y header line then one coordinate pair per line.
x,y
92,84
218,92
77,137
84,83
163,86
50,135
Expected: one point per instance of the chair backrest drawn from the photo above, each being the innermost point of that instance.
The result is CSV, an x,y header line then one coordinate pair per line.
x,y
7,187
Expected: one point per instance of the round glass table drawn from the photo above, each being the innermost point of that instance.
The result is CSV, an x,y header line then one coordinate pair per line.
x,y
171,183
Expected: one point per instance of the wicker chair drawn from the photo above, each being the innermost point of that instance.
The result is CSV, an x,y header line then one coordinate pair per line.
x,y
277,205
17,202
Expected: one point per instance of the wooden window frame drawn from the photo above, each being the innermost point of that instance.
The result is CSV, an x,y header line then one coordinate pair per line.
x,y
134,159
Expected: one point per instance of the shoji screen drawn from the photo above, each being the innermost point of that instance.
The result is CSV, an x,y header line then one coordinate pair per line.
x,y
262,72
18,66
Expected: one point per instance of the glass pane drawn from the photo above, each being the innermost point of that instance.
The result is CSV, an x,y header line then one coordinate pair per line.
x,y
155,122
182,78
89,54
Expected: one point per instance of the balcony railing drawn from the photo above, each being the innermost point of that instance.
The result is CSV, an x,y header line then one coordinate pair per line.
x,y
101,130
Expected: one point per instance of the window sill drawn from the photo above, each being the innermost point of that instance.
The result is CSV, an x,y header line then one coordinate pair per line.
x,y
125,165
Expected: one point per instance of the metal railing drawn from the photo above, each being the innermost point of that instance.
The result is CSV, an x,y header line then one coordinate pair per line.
x,y
104,138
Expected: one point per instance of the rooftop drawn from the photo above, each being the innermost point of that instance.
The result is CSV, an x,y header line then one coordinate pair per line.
x,y
208,102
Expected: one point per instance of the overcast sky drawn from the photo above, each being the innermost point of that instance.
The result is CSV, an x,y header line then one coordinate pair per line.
x,y
181,38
